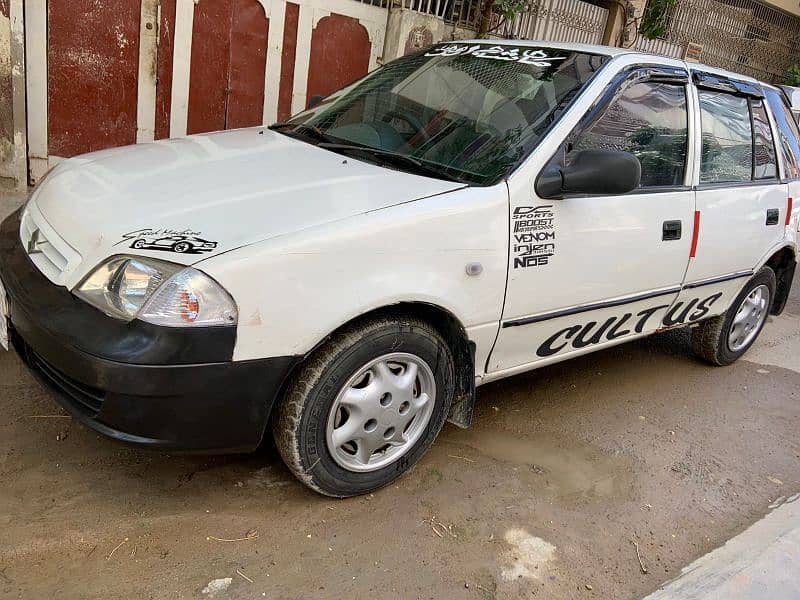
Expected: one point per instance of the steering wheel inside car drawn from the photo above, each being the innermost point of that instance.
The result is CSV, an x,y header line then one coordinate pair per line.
x,y
414,122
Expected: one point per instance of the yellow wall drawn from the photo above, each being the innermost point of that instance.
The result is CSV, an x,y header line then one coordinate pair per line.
x,y
789,6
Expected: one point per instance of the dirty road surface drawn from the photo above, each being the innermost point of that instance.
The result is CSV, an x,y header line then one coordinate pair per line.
x,y
599,478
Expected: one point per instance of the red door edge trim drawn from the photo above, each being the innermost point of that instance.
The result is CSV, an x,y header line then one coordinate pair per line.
x,y
789,210
695,234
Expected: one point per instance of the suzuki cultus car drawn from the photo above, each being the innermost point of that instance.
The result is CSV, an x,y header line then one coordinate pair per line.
x,y
343,281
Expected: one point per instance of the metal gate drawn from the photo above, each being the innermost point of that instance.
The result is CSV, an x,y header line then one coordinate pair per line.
x,y
551,20
739,35
559,21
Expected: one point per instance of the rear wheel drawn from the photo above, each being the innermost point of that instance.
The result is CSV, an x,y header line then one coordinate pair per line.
x,y
723,339
366,406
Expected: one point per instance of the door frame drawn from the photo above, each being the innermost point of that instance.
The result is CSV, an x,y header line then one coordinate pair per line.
x,y
16,168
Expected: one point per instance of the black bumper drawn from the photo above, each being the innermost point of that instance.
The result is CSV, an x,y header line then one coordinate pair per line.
x,y
161,387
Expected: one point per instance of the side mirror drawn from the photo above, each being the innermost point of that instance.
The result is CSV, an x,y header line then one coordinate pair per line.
x,y
315,101
601,172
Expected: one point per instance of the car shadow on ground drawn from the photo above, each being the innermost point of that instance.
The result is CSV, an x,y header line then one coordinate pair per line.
x,y
546,382
578,454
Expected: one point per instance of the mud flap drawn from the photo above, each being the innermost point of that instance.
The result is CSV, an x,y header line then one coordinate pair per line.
x,y
783,288
462,408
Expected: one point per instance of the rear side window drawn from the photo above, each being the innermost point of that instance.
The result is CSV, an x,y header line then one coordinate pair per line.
x,y
648,120
765,164
788,134
727,151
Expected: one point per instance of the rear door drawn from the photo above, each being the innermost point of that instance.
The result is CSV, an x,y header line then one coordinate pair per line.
x,y
741,202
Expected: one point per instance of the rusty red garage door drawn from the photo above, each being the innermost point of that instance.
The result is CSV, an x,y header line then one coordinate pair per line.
x,y
229,54
92,72
340,49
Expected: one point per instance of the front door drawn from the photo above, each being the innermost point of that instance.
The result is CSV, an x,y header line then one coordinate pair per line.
x,y
595,270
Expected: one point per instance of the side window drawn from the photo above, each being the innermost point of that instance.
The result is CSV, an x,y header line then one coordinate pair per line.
x,y
765,164
648,120
727,151
788,133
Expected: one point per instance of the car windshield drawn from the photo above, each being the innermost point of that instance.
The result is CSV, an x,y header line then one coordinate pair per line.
x,y
469,112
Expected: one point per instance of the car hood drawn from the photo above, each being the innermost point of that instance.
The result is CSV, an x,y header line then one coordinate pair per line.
x,y
229,189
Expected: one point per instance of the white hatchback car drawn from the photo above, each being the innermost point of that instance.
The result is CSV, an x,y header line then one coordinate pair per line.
x,y
462,214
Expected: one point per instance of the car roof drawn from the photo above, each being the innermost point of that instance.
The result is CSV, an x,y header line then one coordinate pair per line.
x,y
611,52
589,48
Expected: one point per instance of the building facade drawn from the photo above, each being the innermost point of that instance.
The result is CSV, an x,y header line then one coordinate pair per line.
x,y
83,75
744,36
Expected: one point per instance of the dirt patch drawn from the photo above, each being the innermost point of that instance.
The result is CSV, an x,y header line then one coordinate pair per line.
x,y
526,555
559,469
565,469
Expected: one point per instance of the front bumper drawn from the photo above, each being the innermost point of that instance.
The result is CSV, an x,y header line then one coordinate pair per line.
x,y
161,387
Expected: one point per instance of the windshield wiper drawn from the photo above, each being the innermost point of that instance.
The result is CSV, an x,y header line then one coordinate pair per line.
x,y
389,156
378,151
302,129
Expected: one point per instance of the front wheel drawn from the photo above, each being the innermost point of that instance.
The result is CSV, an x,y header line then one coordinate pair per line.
x,y
366,406
723,339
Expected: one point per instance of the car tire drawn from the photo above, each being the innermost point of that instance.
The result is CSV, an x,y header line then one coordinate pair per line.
x,y
714,340
182,247
305,423
138,244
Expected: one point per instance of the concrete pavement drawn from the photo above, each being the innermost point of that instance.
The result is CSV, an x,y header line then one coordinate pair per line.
x,y
763,562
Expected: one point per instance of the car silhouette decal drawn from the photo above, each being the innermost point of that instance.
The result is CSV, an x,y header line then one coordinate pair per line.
x,y
168,240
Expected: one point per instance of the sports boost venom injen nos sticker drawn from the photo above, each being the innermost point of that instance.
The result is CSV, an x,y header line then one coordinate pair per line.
x,y
534,235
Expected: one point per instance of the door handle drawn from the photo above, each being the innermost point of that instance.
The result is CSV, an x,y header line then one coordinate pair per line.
x,y
671,231
773,216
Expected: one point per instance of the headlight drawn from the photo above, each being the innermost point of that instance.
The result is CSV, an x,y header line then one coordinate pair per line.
x,y
190,298
158,292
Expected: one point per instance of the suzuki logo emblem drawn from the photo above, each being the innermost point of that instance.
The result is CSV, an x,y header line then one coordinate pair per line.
x,y
33,242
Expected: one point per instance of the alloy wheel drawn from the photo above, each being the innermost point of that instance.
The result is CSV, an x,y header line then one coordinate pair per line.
x,y
748,319
381,412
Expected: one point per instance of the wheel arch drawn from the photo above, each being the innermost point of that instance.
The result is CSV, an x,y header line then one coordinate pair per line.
x,y
783,262
448,326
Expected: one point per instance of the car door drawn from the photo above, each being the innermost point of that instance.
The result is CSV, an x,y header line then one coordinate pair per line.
x,y
593,270
741,202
